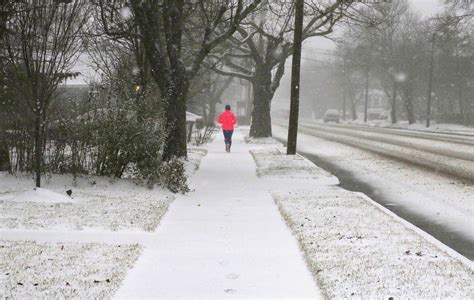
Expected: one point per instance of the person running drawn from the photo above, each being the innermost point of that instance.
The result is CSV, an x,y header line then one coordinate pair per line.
x,y
227,120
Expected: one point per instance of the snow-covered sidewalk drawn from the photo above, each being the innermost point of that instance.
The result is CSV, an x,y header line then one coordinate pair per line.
x,y
226,239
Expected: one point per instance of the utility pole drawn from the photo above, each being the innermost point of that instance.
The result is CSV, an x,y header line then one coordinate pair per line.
x,y
366,104
295,78
343,90
430,82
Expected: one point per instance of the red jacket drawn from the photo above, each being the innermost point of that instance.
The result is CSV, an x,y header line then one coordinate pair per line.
x,y
227,119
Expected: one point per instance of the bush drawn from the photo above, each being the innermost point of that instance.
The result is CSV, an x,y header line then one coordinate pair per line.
x,y
172,176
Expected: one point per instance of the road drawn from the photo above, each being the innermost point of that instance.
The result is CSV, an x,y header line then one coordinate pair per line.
x,y
451,154
424,177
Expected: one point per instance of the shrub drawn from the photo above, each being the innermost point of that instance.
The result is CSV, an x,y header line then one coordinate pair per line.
x,y
172,176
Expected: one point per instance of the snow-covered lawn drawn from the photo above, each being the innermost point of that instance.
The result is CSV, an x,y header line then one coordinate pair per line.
x,y
95,203
355,247
77,246
273,162
64,270
121,205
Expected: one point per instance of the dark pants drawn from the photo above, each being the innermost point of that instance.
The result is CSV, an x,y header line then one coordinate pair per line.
x,y
228,136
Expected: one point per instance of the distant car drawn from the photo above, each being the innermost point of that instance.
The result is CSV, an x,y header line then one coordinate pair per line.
x,y
331,115
377,114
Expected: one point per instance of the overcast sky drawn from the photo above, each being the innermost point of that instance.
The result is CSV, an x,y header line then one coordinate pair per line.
x,y
426,8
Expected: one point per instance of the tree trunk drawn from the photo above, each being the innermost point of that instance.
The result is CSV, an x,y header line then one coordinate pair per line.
x,y
261,125
212,113
4,158
393,102
249,102
461,104
175,114
354,111
409,109
38,147
353,105
205,114
261,120
366,103
430,82
343,105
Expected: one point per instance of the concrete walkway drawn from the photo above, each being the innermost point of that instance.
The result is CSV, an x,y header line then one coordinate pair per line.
x,y
224,240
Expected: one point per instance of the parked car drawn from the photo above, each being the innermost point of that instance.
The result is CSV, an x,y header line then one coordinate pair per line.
x,y
377,114
331,115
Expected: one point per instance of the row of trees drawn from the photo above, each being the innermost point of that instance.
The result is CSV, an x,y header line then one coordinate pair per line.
x,y
153,56
424,67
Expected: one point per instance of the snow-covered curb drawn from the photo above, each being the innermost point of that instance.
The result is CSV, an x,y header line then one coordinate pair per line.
x,y
354,248
63,270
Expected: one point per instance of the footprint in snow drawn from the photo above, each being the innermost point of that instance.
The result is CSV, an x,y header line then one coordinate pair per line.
x,y
230,291
224,262
232,276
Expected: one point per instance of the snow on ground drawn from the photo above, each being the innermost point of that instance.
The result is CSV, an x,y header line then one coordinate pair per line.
x,y
259,141
274,162
79,248
95,202
223,240
441,127
195,154
40,195
63,270
436,197
121,205
355,247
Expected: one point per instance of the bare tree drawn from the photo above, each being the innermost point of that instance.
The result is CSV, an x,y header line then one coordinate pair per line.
x,y
177,36
5,13
267,41
385,35
42,44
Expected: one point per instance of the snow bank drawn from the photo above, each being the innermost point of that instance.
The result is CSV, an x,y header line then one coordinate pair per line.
x,y
40,195
435,127
31,270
